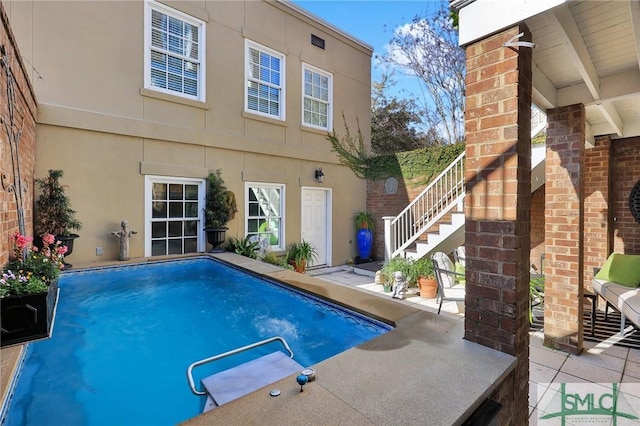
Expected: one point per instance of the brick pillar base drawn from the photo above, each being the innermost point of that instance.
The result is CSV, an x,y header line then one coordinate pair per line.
x,y
564,229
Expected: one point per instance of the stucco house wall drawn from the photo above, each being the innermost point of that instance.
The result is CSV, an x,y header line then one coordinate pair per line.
x,y
108,132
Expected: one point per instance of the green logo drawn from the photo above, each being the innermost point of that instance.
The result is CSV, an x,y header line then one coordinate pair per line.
x,y
591,400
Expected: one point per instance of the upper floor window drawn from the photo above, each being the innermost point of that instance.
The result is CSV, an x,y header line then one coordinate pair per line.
x,y
174,52
317,88
264,91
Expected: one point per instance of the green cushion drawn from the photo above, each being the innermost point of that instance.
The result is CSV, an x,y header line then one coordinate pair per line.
x,y
622,269
460,270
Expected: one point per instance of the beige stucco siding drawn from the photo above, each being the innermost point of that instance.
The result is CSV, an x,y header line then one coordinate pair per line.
x,y
107,132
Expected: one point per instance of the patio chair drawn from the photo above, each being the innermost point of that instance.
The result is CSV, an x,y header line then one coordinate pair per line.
x,y
449,287
459,255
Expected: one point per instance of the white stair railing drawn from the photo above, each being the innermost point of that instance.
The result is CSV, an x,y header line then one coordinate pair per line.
x,y
434,201
445,192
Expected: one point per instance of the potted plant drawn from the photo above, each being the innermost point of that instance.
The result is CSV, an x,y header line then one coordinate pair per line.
x,y
397,264
364,224
218,210
425,277
300,254
29,290
53,212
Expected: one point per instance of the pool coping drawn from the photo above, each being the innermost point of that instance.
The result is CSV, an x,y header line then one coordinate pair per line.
x,y
422,371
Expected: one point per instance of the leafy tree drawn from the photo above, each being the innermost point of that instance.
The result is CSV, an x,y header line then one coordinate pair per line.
x,y
427,47
393,120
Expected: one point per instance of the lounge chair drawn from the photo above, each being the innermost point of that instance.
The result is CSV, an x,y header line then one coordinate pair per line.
x,y
449,286
459,255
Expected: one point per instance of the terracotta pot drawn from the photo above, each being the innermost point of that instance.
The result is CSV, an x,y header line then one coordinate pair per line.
x,y
300,267
428,287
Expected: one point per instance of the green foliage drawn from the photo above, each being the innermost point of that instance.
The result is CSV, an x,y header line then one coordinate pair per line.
x,y
31,270
53,212
536,293
351,151
401,264
394,121
302,251
220,203
246,246
364,220
274,259
423,267
422,164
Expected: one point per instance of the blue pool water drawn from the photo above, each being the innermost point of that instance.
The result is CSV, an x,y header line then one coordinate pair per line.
x,y
125,336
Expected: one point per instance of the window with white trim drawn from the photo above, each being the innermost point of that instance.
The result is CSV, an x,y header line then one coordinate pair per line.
x,y
317,96
265,77
174,52
264,204
173,215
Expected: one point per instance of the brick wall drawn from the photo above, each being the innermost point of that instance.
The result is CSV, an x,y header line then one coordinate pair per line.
x,y
625,230
380,204
25,117
564,228
596,207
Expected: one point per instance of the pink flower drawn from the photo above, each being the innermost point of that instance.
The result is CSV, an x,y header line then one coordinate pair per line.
x,y
48,239
61,250
22,241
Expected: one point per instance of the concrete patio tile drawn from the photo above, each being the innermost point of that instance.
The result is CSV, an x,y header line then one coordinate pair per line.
x,y
539,373
589,371
536,391
601,360
634,355
547,356
563,377
597,348
632,369
630,388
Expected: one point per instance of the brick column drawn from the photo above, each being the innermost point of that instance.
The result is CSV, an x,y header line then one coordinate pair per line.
x,y
564,229
597,215
497,206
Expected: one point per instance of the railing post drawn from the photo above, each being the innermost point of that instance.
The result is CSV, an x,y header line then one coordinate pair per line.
x,y
388,238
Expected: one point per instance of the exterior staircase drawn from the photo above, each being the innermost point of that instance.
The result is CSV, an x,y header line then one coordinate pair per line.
x,y
434,220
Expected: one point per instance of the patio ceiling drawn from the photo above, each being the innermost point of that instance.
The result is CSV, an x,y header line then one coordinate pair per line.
x,y
586,52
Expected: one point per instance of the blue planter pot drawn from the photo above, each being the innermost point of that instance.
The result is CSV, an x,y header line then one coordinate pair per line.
x,y
364,239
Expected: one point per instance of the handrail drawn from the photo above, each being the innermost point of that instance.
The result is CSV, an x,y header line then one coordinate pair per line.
x,y
192,384
431,204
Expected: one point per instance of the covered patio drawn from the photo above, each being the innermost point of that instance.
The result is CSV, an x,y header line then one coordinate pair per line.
x,y
579,61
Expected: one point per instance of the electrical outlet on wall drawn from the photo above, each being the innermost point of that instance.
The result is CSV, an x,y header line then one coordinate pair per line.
x,y
98,251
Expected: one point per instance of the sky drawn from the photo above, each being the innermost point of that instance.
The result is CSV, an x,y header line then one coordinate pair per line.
x,y
372,21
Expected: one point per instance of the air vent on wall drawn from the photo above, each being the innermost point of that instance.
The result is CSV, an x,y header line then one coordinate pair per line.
x,y
317,41
634,202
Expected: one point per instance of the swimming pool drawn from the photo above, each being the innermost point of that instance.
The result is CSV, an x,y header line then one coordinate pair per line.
x,y
124,337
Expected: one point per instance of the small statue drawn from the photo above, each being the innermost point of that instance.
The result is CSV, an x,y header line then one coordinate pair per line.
x,y
400,285
124,234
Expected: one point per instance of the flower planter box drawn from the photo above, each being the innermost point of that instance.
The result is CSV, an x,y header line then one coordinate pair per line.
x,y
28,317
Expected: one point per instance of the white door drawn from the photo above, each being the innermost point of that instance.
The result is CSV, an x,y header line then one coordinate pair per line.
x,y
315,221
